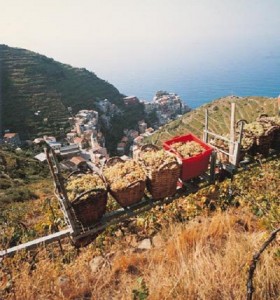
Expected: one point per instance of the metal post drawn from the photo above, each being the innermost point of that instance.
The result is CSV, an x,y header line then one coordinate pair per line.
x,y
39,241
212,167
238,145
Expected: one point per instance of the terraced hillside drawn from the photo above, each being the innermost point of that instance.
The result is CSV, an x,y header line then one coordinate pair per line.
x,y
33,82
248,108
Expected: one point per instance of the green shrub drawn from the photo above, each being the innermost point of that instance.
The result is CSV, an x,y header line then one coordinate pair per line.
x,y
17,195
5,183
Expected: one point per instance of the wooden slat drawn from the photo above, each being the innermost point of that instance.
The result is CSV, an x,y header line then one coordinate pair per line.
x,y
220,150
32,244
217,136
60,188
232,133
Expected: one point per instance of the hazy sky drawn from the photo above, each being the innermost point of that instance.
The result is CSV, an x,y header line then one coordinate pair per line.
x,y
109,35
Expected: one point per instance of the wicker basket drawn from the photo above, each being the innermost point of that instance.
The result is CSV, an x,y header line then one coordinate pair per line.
x,y
267,137
275,144
263,149
90,210
274,130
130,194
262,118
161,182
269,126
263,143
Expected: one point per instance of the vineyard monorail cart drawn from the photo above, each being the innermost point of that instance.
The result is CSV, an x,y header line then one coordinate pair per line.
x,y
78,231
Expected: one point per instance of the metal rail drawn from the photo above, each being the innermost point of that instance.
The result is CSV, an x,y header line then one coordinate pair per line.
x,y
77,231
122,214
40,241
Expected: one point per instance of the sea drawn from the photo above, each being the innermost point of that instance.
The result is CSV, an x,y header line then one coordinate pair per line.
x,y
203,74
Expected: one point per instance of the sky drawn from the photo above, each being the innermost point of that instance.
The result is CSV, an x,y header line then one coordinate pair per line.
x,y
120,38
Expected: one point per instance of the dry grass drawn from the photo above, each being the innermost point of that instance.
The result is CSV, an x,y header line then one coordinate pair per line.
x,y
210,260
205,259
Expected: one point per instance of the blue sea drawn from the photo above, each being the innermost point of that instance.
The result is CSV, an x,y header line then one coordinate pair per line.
x,y
203,74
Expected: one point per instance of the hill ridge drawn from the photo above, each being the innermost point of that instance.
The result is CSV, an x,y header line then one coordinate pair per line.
x,y
32,82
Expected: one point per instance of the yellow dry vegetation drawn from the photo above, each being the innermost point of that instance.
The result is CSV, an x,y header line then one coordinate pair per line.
x,y
205,259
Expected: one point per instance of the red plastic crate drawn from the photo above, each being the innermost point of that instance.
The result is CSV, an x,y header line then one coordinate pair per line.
x,y
193,166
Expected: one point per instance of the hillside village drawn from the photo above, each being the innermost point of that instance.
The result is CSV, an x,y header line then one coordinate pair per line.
x,y
85,145
168,106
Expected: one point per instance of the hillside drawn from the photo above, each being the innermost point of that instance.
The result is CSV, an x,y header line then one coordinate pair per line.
x,y
32,82
19,174
202,245
248,108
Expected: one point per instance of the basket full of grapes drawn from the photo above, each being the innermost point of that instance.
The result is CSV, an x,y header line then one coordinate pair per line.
x,y
162,170
126,180
88,197
272,126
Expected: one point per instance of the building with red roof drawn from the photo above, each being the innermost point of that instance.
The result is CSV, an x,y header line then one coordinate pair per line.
x,y
12,138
